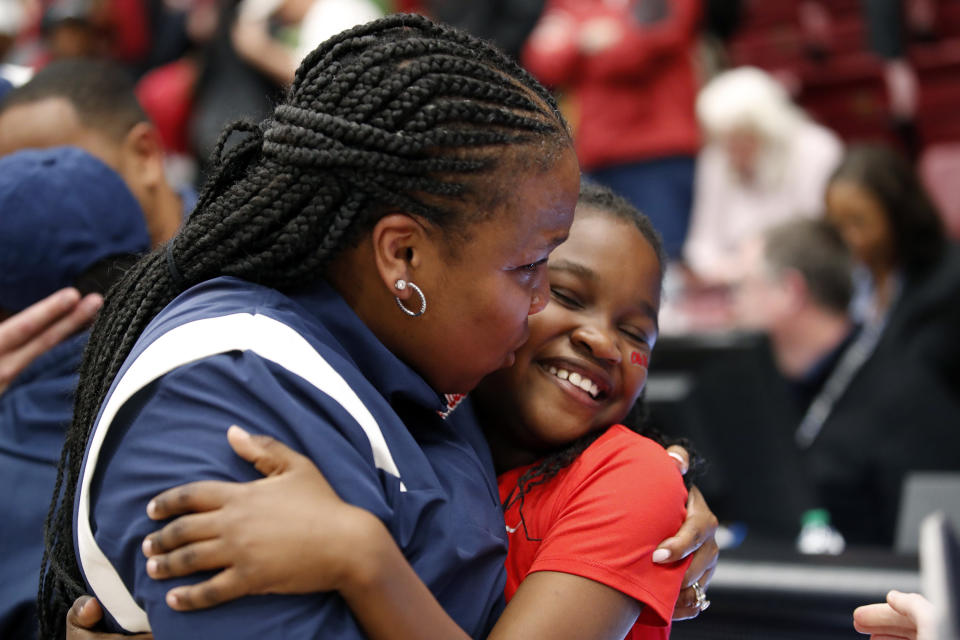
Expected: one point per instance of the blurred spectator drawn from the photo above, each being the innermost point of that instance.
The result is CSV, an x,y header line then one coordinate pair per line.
x,y
71,30
276,35
796,287
68,219
891,225
253,55
91,104
910,281
764,161
11,20
867,415
628,67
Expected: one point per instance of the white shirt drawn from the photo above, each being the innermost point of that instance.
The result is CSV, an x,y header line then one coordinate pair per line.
x,y
726,211
327,18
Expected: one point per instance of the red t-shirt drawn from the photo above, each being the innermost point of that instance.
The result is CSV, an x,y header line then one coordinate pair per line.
x,y
602,518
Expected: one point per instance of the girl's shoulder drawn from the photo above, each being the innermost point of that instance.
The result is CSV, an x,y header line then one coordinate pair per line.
x,y
627,452
619,466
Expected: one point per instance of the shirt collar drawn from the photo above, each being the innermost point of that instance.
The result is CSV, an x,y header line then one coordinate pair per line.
x,y
392,377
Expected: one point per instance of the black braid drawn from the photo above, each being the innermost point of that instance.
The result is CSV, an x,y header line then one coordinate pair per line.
x,y
600,199
398,113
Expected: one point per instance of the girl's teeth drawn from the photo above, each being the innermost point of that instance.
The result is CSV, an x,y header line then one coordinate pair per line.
x,y
575,378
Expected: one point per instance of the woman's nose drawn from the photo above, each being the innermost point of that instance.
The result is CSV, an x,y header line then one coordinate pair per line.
x,y
540,296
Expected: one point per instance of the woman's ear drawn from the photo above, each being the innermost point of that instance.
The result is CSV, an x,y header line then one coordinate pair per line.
x,y
399,244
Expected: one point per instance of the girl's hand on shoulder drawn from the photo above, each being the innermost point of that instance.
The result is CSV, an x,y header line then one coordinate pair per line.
x,y
696,536
286,533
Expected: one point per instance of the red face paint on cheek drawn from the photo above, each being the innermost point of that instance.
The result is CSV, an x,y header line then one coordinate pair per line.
x,y
640,359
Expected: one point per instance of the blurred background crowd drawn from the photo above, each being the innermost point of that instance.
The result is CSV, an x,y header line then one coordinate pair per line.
x,y
801,159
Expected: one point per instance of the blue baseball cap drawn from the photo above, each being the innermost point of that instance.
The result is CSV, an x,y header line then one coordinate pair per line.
x,y
61,211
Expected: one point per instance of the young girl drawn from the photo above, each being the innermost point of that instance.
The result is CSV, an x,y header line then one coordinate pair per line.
x,y
586,503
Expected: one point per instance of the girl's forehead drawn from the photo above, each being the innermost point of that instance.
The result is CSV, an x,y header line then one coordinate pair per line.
x,y
610,251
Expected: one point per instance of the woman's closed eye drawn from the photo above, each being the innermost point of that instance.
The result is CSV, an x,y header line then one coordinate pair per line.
x,y
533,266
530,273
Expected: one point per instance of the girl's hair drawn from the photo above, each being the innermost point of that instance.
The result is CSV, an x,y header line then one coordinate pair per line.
x,y
602,200
916,225
398,114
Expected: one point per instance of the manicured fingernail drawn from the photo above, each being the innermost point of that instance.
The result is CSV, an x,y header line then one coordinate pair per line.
x,y
681,463
151,566
238,432
172,600
152,508
146,546
661,555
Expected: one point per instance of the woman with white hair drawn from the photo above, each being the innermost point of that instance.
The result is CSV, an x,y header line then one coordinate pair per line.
x,y
764,161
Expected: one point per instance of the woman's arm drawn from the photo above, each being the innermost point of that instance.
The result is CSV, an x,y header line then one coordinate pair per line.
x,y
262,538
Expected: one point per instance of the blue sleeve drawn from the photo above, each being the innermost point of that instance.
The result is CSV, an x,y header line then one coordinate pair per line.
x,y
173,432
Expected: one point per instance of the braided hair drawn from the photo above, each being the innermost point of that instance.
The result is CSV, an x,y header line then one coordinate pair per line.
x,y
599,199
398,114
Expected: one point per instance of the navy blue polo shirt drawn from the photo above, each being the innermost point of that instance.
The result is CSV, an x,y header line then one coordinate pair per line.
x,y
35,412
305,370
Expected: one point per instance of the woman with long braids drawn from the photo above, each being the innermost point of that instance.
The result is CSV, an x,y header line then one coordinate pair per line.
x,y
586,503
377,242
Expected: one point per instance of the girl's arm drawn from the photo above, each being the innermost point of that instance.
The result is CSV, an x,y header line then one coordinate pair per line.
x,y
288,533
264,541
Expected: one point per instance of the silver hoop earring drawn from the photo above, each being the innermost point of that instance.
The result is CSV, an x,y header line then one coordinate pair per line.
x,y
400,285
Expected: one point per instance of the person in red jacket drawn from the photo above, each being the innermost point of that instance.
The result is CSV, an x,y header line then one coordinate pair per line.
x,y
628,68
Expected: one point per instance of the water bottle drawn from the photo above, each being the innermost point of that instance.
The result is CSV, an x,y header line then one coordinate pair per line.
x,y
817,537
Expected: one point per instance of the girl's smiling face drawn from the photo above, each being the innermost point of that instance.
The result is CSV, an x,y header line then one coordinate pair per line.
x,y
585,362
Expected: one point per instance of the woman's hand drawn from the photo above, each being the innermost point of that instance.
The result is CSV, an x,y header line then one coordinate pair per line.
x,y
696,535
905,616
84,615
287,533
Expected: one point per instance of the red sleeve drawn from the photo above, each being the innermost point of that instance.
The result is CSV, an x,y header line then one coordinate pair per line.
x,y
618,501
551,53
641,46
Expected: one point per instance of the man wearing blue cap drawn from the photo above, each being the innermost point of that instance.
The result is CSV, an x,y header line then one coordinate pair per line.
x,y
66,218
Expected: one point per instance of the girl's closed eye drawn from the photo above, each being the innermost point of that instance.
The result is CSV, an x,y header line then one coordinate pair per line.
x,y
636,335
566,298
